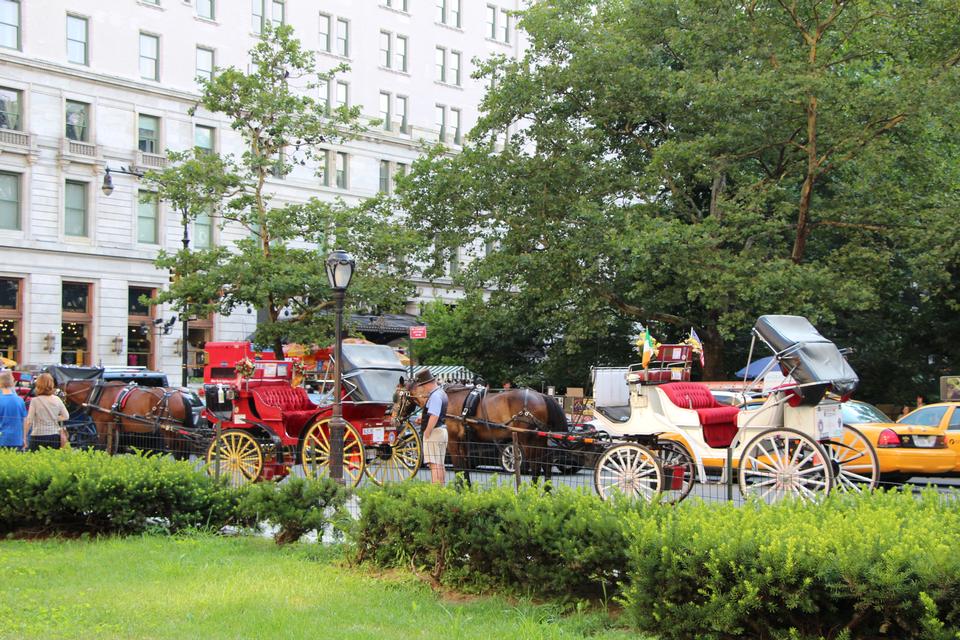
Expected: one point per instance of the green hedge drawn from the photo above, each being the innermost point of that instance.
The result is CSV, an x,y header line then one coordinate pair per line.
x,y
72,491
565,544
883,565
295,507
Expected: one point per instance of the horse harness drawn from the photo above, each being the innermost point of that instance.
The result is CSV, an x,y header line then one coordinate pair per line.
x,y
159,415
475,400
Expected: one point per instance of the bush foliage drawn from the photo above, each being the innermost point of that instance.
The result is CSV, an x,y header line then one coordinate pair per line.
x,y
296,507
877,565
72,491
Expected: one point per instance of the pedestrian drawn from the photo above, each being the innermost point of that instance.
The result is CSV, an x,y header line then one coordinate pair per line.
x,y
43,426
12,412
507,384
433,399
919,401
904,411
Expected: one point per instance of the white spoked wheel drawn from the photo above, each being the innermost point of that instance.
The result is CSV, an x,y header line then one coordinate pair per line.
x,y
395,461
854,461
679,470
781,463
630,470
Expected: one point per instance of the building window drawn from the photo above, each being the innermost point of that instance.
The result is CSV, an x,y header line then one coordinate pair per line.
x,y
10,24
385,111
343,37
504,25
266,12
400,172
323,92
343,94
77,40
147,218
448,12
204,64
10,101
140,327
455,125
203,231
75,209
491,22
441,64
441,121
10,317
342,170
75,319
384,176
149,57
9,201
399,5
386,53
455,57
326,42
77,121
400,55
148,134
207,9
325,169
204,138
401,114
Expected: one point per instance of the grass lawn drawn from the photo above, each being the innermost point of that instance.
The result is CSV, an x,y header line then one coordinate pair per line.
x,y
246,587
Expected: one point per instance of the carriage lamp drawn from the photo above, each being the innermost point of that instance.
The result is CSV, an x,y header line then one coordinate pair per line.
x,y
118,344
339,266
50,342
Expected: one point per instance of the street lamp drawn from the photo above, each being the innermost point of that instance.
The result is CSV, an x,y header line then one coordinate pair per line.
x,y
340,265
107,188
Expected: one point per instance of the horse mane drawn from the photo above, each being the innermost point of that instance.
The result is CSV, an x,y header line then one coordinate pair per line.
x,y
556,418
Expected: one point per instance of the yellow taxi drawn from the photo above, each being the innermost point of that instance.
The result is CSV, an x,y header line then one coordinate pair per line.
x,y
917,444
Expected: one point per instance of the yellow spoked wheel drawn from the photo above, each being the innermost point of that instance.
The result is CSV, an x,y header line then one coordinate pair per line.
x,y
239,456
315,454
398,461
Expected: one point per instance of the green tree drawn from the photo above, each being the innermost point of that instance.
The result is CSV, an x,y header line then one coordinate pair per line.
x,y
278,265
702,162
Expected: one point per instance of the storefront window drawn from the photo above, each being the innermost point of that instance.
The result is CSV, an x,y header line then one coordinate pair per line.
x,y
10,319
140,327
76,319
139,345
75,343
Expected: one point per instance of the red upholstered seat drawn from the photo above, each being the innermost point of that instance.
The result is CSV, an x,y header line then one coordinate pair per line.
x,y
719,422
293,402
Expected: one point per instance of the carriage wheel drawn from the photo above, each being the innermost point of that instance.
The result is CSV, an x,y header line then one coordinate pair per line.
x,y
854,460
679,471
398,461
630,470
315,453
241,457
784,462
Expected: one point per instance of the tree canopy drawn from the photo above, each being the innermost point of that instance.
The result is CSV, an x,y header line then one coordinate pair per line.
x,y
702,162
276,261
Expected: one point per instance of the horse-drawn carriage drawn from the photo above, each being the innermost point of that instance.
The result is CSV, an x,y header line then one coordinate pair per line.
x,y
268,425
794,444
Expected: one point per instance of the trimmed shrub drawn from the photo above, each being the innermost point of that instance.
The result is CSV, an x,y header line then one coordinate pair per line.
x,y
73,491
295,507
855,566
565,544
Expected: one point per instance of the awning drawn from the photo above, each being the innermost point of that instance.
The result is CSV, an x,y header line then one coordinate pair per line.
x,y
388,323
448,372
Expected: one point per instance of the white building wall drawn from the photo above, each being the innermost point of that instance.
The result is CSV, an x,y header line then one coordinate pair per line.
x,y
111,259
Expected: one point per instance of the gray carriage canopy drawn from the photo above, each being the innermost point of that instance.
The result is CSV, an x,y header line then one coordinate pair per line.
x,y
371,372
806,355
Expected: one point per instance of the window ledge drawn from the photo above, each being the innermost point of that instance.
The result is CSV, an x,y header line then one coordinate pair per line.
x,y
336,56
450,27
151,5
395,71
395,10
212,21
448,85
499,42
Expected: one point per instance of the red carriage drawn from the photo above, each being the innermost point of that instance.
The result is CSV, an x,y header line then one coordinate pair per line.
x,y
269,425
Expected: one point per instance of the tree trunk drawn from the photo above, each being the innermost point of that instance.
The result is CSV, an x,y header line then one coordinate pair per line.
x,y
713,368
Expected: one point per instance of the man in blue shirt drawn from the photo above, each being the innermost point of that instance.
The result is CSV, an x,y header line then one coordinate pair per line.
x,y
12,413
433,399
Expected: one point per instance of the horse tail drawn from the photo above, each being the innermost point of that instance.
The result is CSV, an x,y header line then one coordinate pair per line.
x,y
556,418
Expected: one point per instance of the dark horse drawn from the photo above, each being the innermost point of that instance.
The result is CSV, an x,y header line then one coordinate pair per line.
x,y
498,415
160,417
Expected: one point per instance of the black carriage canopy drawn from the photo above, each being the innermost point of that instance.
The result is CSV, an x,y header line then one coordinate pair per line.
x,y
372,372
807,356
65,373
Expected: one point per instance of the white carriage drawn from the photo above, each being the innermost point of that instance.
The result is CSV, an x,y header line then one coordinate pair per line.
x,y
794,444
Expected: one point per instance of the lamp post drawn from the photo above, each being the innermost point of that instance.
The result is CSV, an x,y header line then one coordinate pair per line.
x,y
340,265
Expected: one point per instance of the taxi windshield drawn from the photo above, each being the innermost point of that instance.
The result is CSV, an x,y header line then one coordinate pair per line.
x,y
861,412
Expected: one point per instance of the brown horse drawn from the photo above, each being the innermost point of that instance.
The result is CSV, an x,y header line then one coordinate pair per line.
x,y
156,418
497,416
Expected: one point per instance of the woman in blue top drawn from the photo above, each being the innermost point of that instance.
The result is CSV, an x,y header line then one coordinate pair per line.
x,y
12,413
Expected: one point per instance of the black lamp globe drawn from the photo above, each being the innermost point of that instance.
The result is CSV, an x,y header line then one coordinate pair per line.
x,y
340,265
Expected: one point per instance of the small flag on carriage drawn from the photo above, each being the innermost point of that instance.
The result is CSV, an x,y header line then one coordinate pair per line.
x,y
697,345
647,347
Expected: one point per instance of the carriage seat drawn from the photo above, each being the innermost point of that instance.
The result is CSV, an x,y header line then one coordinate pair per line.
x,y
615,414
719,422
294,404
